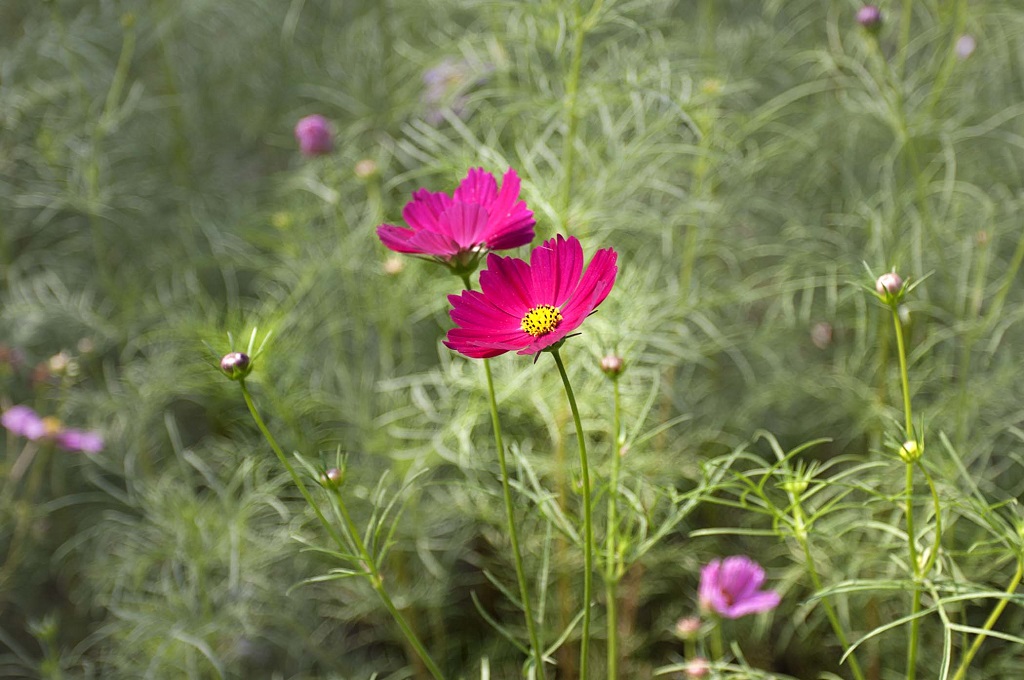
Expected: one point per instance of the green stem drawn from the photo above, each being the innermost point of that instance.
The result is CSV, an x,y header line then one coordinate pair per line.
x,y
915,605
990,622
377,582
588,529
611,567
904,373
572,113
833,618
375,579
513,533
905,19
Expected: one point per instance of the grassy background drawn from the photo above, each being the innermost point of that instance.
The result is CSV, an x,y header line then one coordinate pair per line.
x,y
746,159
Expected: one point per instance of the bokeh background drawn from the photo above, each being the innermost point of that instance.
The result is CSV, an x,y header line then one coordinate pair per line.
x,y
752,162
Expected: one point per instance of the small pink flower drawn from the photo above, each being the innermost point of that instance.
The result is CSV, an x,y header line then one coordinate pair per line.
x,y
456,230
24,422
315,135
530,307
889,283
731,588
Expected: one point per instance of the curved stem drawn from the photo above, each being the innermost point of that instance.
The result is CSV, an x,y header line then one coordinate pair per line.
x,y
572,114
830,612
588,529
375,579
531,627
990,622
611,567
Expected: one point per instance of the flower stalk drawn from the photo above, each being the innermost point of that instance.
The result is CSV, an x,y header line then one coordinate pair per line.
x,y
588,529
376,582
612,572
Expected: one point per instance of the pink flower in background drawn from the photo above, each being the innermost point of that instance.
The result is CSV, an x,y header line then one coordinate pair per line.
x,y
79,440
456,230
965,46
530,307
24,422
731,588
314,135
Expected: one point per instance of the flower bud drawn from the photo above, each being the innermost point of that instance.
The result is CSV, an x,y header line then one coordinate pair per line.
x,y
332,477
315,135
697,667
890,283
910,451
870,18
393,265
612,365
236,365
366,168
687,627
821,334
965,46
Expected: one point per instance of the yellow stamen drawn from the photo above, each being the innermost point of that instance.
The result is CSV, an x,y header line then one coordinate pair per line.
x,y
540,320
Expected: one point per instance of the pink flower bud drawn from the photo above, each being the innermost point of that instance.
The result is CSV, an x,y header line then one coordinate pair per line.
x,y
236,365
687,627
315,135
612,365
965,46
697,667
870,18
889,283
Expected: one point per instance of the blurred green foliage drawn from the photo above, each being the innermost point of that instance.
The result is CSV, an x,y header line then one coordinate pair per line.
x,y
745,159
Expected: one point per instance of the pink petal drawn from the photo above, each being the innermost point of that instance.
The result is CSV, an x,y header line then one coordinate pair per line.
x,y
433,243
507,284
556,267
465,223
396,238
479,187
595,285
752,604
424,210
24,422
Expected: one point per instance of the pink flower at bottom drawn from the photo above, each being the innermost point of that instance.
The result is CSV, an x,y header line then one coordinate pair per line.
x,y
731,588
529,307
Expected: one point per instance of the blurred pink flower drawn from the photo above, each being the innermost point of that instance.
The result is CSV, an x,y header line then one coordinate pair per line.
x,y
965,46
457,230
731,588
530,307
24,422
315,135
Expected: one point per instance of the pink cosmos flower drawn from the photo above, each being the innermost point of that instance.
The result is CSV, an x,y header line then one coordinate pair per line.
x,y
530,307
24,422
314,135
456,230
731,587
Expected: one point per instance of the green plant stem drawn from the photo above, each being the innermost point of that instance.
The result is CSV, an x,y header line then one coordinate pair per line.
x,y
901,350
905,19
915,604
531,627
611,567
377,582
990,622
588,529
833,619
375,579
572,86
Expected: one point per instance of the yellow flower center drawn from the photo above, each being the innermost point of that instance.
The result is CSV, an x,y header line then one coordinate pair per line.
x,y
540,320
52,425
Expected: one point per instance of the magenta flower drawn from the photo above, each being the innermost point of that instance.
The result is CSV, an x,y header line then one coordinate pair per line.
x,y
24,422
456,230
314,135
731,588
530,307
